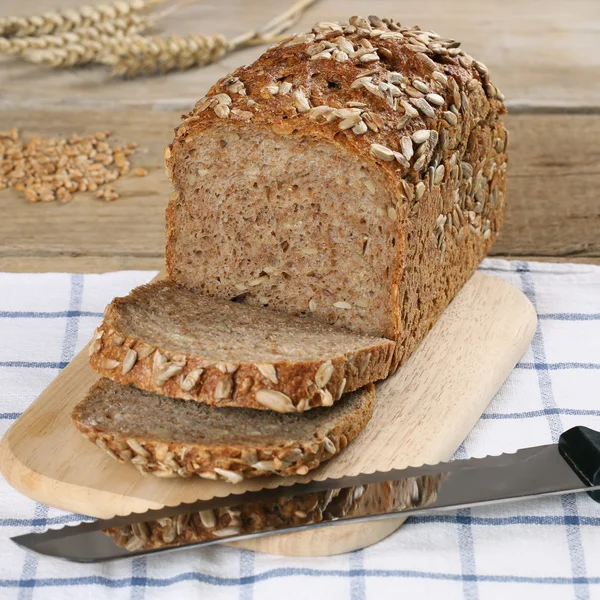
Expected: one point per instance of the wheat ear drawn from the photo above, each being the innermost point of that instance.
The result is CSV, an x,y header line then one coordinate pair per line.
x,y
70,19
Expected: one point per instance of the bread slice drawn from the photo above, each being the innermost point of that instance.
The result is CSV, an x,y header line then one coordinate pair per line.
x,y
171,438
166,339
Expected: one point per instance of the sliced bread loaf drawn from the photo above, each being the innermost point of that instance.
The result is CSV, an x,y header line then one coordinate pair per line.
x,y
356,172
168,437
164,338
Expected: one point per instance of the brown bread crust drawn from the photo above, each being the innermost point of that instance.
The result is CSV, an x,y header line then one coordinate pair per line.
x,y
449,205
276,445
154,364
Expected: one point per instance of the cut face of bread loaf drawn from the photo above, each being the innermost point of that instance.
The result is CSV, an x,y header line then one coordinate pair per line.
x,y
165,338
171,438
355,173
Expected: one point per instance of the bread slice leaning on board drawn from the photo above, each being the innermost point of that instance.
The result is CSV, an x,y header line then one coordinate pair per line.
x,y
355,173
166,339
170,438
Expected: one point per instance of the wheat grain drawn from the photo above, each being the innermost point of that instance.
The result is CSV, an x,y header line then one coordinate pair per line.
x,y
49,169
70,19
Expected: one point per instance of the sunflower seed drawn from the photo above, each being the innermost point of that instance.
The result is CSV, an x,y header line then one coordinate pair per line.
x,y
312,305
329,446
421,135
229,476
435,99
403,121
439,77
129,361
227,531
268,372
343,305
190,380
426,61
423,106
108,363
323,374
419,190
276,401
410,110
480,67
265,465
300,100
95,346
420,162
224,388
407,147
382,152
137,448
350,122
450,117
222,111
369,57
326,397
421,86
285,88
360,128
341,389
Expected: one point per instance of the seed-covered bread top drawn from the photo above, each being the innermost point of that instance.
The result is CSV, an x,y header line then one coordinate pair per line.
x,y
175,437
165,338
369,84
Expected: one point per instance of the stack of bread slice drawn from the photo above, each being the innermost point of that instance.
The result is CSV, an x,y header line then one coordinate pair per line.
x,y
330,201
196,385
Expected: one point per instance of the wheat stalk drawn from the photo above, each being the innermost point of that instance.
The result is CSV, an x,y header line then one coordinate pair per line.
x,y
149,56
128,25
70,19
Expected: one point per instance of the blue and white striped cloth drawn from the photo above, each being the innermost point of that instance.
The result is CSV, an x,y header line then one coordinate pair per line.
x,y
544,549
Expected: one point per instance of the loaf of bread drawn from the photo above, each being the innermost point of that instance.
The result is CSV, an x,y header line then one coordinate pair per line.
x,y
167,339
355,173
169,438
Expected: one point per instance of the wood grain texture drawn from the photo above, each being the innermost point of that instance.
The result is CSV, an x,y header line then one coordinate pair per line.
x,y
540,53
422,415
553,203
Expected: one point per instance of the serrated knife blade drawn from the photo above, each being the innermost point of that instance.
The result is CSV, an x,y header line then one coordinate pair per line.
x,y
572,465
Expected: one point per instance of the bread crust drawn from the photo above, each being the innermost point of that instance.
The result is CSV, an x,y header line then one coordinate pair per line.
x,y
295,386
230,461
449,208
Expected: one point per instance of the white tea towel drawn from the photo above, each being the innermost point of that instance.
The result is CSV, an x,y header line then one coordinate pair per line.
x,y
547,549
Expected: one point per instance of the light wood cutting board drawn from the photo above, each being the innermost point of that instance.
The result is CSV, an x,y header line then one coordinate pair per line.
x,y
422,415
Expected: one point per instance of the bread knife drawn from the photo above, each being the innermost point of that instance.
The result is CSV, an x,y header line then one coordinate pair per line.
x,y
572,465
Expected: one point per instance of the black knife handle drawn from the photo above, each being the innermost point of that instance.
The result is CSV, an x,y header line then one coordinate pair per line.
x,y
580,447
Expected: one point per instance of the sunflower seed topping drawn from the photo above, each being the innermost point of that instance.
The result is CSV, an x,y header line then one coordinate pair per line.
x,y
423,106
419,190
268,372
224,388
129,361
421,86
108,363
382,152
190,380
229,476
435,99
329,446
323,374
276,401
407,147
421,135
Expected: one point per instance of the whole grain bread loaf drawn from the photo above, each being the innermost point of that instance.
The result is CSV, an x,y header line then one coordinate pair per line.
x,y
170,438
355,173
165,338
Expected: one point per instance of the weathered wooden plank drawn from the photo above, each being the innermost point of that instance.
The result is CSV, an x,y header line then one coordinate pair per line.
x,y
540,53
553,198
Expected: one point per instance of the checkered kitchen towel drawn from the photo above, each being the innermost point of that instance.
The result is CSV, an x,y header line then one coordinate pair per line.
x,y
541,549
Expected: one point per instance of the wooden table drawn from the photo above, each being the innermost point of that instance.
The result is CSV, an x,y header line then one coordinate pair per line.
x,y
544,55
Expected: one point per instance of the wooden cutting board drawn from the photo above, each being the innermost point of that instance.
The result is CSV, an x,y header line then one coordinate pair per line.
x,y
423,413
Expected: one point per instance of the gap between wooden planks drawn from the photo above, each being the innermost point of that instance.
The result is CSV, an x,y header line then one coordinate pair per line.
x,y
553,205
